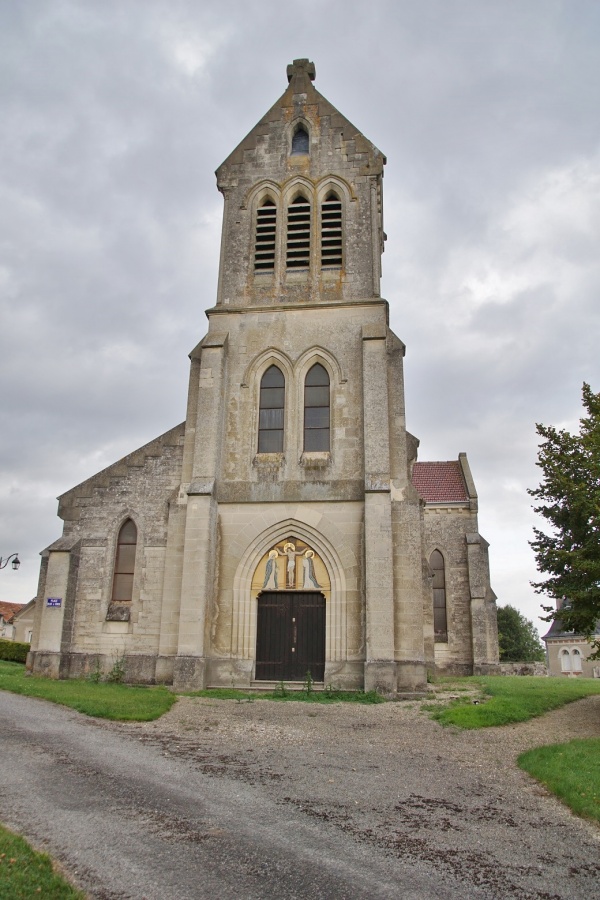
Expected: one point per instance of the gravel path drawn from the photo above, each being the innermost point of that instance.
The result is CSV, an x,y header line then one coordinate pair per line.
x,y
261,799
390,777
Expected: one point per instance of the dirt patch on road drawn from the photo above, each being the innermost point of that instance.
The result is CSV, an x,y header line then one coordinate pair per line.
x,y
390,776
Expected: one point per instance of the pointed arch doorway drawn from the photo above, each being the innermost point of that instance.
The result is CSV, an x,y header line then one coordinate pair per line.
x,y
291,613
290,636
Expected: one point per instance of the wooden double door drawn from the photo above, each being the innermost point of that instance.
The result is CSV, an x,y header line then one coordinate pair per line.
x,y
290,637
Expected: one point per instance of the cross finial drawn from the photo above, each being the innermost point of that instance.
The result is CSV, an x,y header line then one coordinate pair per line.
x,y
301,67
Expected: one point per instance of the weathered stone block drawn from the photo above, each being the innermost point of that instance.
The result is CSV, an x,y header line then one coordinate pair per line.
x,y
380,676
189,673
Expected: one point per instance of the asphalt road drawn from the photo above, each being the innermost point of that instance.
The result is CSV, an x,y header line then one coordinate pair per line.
x,y
128,822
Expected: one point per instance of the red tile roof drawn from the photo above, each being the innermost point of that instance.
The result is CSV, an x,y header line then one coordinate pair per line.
x,y
440,482
7,610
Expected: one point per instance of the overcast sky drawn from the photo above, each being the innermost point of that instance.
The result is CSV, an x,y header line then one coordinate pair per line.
x,y
114,117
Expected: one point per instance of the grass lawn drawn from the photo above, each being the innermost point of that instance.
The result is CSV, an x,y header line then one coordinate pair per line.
x,y
123,702
25,873
502,699
571,771
506,699
283,693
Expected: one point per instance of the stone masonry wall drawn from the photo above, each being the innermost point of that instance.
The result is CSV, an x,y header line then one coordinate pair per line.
x,y
140,487
445,529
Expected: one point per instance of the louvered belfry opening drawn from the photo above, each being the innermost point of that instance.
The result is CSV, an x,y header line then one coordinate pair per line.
x,y
266,227
272,404
440,624
331,231
298,234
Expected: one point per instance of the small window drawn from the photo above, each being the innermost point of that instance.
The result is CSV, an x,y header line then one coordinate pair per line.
x,y
298,234
440,622
272,403
316,410
266,227
300,141
122,590
331,232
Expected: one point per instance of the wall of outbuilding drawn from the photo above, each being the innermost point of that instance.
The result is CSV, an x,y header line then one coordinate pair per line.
x,y
445,529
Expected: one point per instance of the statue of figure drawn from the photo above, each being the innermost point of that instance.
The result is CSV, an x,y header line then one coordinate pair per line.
x,y
270,582
308,568
289,550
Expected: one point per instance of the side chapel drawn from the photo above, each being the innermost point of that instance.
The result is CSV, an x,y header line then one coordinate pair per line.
x,y
286,526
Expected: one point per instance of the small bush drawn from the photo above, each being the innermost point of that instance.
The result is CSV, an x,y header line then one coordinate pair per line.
x,y
13,651
117,672
95,676
280,691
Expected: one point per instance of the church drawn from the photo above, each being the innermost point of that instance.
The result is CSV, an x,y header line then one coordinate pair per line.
x,y
285,530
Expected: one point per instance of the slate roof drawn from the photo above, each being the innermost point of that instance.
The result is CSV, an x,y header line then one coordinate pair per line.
x,y
7,610
440,482
556,630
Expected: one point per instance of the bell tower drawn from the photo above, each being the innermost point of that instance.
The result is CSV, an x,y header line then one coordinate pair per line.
x,y
303,206
296,404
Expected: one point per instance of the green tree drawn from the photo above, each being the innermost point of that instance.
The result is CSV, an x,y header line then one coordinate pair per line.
x,y
569,501
518,637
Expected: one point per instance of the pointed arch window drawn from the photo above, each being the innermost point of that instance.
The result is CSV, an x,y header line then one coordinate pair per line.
x,y
298,234
300,141
266,228
316,410
122,589
271,410
440,623
331,231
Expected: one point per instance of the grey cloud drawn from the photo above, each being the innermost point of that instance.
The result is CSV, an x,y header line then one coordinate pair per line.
x,y
115,117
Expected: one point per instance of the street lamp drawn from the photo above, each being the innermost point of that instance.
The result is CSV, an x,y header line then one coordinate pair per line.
x,y
16,562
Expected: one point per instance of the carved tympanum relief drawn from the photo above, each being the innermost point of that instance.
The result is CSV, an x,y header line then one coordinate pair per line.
x,y
291,565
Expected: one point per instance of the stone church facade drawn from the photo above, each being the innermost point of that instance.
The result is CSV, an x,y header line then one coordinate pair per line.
x,y
285,526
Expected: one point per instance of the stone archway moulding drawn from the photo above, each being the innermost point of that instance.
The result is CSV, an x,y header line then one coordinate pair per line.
x,y
312,355
261,362
245,604
318,354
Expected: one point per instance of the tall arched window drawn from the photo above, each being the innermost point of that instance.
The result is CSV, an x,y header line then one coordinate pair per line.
x,y
331,231
440,622
565,661
576,660
300,141
272,403
298,234
266,227
122,590
316,409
